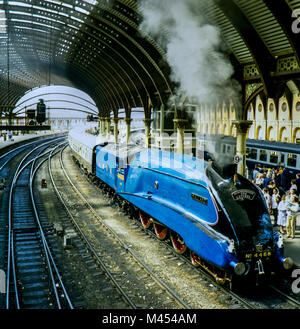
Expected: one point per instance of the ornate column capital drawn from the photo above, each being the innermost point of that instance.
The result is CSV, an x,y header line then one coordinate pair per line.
x,y
147,121
180,123
116,120
242,126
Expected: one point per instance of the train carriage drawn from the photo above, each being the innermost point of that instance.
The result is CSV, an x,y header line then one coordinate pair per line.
x,y
268,154
83,147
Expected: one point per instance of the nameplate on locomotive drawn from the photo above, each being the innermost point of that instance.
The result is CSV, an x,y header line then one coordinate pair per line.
x,y
199,199
242,195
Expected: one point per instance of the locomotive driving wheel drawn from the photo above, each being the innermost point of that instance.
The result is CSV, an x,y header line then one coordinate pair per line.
x,y
145,220
161,231
195,259
178,243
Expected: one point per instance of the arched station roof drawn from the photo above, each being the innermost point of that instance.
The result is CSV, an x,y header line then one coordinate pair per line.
x,y
96,46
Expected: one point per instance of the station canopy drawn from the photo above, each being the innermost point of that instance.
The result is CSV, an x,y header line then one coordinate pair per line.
x,y
98,47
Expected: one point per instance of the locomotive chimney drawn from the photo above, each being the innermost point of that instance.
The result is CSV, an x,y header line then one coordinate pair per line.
x,y
224,167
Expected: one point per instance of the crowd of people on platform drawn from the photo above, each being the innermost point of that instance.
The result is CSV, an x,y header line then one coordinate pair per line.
x,y
282,196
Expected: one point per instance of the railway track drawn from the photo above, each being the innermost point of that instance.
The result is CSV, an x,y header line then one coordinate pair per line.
x,y
266,297
118,271
116,266
270,296
11,154
32,277
275,298
8,162
234,299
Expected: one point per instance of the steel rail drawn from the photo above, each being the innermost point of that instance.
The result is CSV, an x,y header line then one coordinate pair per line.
x,y
286,296
13,150
203,272
48,253
123,244
10,257
92,250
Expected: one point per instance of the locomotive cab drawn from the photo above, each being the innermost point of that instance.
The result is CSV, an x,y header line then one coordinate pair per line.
x,y
249,227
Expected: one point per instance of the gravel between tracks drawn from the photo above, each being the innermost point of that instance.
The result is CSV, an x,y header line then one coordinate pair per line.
x,y
175,273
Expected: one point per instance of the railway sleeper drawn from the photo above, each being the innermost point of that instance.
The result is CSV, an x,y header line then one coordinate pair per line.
x,y
21,236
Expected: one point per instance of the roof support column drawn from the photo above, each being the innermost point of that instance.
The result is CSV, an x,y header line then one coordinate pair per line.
x,y
116,131
128,122
242,127
107,128
180,123
147,130
102,126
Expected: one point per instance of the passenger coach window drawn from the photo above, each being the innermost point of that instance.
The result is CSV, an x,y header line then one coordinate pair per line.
x,y
252,154
263,155
273,157
291,161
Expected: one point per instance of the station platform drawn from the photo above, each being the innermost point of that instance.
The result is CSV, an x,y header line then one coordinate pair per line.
x,y
292,246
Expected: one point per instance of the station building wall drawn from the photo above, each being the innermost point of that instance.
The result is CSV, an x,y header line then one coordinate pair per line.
x,y
277,122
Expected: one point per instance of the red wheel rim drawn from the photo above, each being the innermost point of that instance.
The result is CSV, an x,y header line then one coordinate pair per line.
x,y
160,231
178,243
145,220
195,259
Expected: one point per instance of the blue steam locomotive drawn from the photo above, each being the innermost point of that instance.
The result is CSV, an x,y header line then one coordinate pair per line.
x,y
206,209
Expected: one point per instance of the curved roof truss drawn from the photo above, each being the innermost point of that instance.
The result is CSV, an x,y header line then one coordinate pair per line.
x,y
96,46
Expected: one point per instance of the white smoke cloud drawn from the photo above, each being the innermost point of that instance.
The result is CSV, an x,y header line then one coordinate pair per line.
x,y
193,48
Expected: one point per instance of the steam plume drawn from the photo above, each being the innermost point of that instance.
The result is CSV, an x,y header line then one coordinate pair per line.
x,y
194,48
